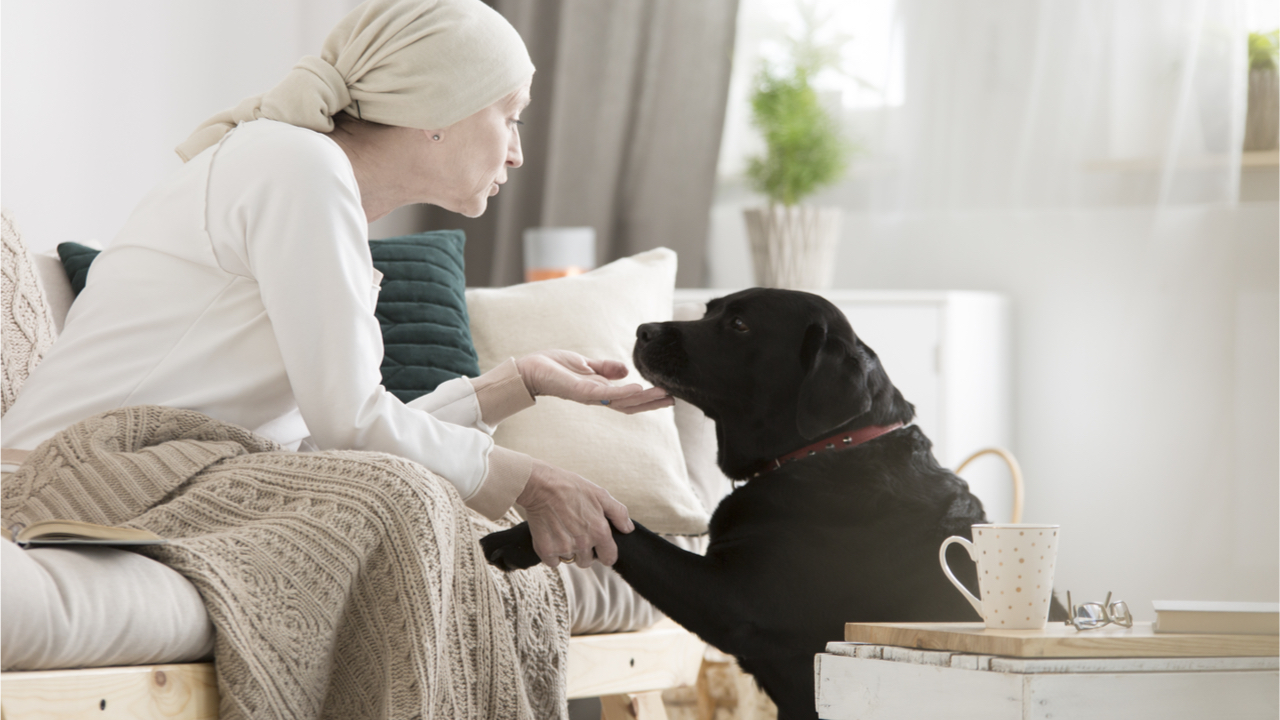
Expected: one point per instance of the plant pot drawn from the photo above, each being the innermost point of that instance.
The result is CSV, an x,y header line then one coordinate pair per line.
x,y
793,247
1262,121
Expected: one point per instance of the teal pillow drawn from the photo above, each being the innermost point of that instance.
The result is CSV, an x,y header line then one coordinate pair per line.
x,y
76,259
422,308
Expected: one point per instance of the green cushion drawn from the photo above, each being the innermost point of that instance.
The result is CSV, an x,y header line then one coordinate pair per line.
x,y
423,311
76,259
422,308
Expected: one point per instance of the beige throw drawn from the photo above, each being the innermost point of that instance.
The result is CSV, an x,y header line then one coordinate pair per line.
x,y
28,329
341,584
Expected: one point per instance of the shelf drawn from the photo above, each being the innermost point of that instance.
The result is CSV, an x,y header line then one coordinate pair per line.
x,y
1249,160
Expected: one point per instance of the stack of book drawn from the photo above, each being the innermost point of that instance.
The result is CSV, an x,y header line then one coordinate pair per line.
x,y
1219,618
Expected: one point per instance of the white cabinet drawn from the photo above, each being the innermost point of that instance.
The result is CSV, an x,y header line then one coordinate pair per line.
x,y
950,355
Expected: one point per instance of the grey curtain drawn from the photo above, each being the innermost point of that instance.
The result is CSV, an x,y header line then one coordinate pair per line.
x,y
623,133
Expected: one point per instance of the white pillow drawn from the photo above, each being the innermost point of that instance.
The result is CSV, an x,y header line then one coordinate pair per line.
x,y
698,436
637,458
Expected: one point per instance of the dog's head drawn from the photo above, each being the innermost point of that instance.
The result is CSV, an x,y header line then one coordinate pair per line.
x,y
776,370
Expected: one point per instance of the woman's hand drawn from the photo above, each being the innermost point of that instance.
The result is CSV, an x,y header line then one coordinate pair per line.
x,y
569,517
568,375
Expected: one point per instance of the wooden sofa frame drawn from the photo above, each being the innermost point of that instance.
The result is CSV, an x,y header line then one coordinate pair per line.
x,y
627,671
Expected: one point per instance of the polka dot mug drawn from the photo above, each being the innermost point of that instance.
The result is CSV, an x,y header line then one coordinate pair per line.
x,y
1015,573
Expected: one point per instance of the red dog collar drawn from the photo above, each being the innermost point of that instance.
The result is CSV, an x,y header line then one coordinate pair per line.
x,y
839,441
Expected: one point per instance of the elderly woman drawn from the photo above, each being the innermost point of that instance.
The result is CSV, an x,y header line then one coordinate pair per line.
x,y
242,288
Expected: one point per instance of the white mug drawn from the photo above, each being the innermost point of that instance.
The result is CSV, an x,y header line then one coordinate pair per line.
x,y
1015,573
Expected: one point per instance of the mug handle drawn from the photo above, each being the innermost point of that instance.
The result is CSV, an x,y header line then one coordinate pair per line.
x,y
942,558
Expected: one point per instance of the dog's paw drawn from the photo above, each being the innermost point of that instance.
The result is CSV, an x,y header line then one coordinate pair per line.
x,y
510,549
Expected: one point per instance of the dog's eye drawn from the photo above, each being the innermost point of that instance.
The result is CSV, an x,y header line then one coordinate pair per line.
x,y
738,325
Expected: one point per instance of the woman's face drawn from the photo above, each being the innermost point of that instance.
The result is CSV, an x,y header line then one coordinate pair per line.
x,y
469,162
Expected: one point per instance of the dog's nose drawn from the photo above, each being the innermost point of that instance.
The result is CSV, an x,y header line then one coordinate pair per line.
x,y
648,331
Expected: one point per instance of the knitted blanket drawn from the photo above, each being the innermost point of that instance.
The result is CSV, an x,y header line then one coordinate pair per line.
x,y
26,322
340,584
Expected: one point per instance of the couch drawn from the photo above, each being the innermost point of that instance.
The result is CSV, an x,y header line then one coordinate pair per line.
x,y
143,641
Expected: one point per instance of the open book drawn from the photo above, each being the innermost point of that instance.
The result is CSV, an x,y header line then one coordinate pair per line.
x,y
74,532
1228,618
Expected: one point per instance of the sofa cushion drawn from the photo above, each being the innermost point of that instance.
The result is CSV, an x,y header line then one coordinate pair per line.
x,y
96,606
637,458
76,259
422,308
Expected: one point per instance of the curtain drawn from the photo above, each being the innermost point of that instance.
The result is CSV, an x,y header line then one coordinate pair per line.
x,y
1085,102
1063,103
622,136
1023,104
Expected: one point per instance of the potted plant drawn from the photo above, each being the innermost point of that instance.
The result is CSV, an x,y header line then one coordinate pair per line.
x,y
793,245
1262,120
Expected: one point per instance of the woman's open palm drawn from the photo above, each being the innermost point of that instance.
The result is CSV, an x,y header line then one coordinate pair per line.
x,y
569,375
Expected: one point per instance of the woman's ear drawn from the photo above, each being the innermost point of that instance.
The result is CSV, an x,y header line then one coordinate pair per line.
x,y
834,389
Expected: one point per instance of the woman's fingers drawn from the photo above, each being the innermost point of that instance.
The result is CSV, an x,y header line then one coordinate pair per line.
x,y
611,369
570,517
646,407
568,375
650,399
618,515
588,392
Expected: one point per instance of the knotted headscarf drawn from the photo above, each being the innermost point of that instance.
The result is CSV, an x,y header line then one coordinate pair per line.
x,y
412,63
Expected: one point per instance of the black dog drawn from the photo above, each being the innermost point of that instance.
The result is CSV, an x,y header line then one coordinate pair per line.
x,y
848,532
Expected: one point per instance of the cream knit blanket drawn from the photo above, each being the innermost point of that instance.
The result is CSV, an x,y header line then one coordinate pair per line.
x,y
26,321
341,584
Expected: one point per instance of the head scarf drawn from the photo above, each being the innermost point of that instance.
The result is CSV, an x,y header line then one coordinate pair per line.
x,y
413,63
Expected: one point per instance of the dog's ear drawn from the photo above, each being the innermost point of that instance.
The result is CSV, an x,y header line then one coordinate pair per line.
x,y
834,389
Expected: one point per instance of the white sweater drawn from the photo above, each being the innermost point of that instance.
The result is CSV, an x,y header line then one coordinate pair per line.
x,y
242,287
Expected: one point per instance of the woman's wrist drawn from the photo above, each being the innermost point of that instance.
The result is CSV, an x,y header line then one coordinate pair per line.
x,y
523,366
501,393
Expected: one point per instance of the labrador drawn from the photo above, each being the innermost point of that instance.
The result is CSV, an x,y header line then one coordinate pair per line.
x,y
841,506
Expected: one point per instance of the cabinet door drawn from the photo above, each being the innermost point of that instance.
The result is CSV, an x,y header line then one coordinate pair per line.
x,y
905,337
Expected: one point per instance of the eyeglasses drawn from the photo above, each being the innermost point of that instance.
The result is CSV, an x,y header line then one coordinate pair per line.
x,y
1092,615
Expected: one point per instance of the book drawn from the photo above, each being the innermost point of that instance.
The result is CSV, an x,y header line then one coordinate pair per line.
x,y
75,532
1221,618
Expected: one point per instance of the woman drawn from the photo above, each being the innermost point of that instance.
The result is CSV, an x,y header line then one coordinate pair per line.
x,y
243,287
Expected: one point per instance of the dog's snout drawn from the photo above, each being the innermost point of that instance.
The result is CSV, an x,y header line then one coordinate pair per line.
x,y
648,331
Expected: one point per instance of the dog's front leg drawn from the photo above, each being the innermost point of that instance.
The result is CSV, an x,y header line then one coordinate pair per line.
x,y
699,592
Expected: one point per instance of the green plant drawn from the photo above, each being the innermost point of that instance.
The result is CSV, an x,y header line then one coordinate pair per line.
x,y
1263,50
804,150
803,147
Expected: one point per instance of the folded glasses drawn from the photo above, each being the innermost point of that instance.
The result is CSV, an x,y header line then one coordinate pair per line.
x,y
1093,615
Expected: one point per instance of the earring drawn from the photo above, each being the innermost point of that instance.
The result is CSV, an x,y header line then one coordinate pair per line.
x,y
435,137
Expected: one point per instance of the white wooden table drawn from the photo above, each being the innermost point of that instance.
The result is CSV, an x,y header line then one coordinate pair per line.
x,y
884,682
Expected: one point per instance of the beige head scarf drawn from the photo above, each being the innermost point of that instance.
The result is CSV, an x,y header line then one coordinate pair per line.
x,y
413,63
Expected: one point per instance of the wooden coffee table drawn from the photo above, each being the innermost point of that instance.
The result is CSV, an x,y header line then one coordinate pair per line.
x,y
961,670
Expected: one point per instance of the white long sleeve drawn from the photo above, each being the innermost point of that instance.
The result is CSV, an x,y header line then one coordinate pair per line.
x,y
243,287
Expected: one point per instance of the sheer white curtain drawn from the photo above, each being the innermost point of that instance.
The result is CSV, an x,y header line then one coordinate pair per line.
x,y
1025,104
1066,102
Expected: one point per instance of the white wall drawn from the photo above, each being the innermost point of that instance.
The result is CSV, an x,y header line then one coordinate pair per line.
x,y
97,94
1147,357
